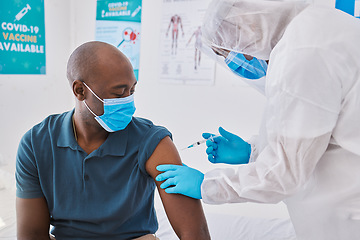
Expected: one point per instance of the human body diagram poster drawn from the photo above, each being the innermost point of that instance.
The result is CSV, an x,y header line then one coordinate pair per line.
x,y
22,37
181,61
118,23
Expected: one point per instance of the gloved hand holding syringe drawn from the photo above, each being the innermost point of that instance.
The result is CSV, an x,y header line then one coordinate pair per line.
x,y
225,148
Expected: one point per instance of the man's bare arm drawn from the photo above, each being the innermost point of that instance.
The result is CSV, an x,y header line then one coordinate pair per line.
x,y
33,219
185,214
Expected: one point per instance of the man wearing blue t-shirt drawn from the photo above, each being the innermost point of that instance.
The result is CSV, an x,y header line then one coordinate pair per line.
x,y
90,172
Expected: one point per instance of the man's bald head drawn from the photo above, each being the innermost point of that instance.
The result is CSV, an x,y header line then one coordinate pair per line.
x,y
87,59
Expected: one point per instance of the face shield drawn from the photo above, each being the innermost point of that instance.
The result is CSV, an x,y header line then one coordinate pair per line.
x,y
234,31
238,64
251,27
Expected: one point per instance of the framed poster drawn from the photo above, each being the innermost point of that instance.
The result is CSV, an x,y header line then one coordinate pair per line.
x,y
22,37
119,23
181,61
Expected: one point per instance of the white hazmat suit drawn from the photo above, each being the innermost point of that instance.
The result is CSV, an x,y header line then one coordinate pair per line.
x,y
308,149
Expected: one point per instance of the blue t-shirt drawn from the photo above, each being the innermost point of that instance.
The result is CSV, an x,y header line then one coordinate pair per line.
x,y
104,195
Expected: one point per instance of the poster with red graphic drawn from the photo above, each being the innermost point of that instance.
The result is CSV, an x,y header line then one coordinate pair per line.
x,y
118,23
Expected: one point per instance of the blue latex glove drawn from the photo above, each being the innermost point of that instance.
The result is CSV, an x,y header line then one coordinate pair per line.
x,y
228,148
181,180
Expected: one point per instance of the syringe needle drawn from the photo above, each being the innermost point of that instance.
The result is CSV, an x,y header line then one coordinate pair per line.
x,y
199,142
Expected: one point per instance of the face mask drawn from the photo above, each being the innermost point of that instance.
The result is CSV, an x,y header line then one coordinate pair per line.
x,y
118,112
253,69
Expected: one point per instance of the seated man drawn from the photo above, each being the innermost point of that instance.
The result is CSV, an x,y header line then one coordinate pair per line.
x,y
93,177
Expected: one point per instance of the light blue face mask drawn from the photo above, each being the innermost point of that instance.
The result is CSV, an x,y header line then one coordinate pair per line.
x,y
253,69
118,112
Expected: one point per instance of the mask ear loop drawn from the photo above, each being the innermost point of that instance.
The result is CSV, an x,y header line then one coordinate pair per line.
x,y
92,92
89,109
94,95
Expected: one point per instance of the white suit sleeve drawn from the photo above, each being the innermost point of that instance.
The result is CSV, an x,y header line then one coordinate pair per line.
x,y
254,142
304,100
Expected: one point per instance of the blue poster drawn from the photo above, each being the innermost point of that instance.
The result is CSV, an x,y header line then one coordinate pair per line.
x,y
22,37
118,23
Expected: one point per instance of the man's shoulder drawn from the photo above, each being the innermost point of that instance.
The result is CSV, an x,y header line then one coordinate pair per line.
x,y
141,125
145,126
49,124
142,122
51,121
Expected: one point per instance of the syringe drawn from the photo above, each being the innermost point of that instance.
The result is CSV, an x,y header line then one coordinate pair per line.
x,y
136,11
195,144
22,12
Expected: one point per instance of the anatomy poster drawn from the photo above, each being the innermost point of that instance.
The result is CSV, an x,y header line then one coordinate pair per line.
x,y
181,61
118,23
22,37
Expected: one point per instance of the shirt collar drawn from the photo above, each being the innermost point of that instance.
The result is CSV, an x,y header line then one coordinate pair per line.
x,y
115,144
66,135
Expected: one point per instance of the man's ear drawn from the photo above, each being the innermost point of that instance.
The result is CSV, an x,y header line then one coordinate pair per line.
x,y
78,90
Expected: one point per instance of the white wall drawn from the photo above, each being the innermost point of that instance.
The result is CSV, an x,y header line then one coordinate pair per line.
x,y
26,99
186,111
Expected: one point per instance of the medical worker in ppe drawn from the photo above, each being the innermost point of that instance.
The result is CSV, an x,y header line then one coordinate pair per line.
x,y
308,149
